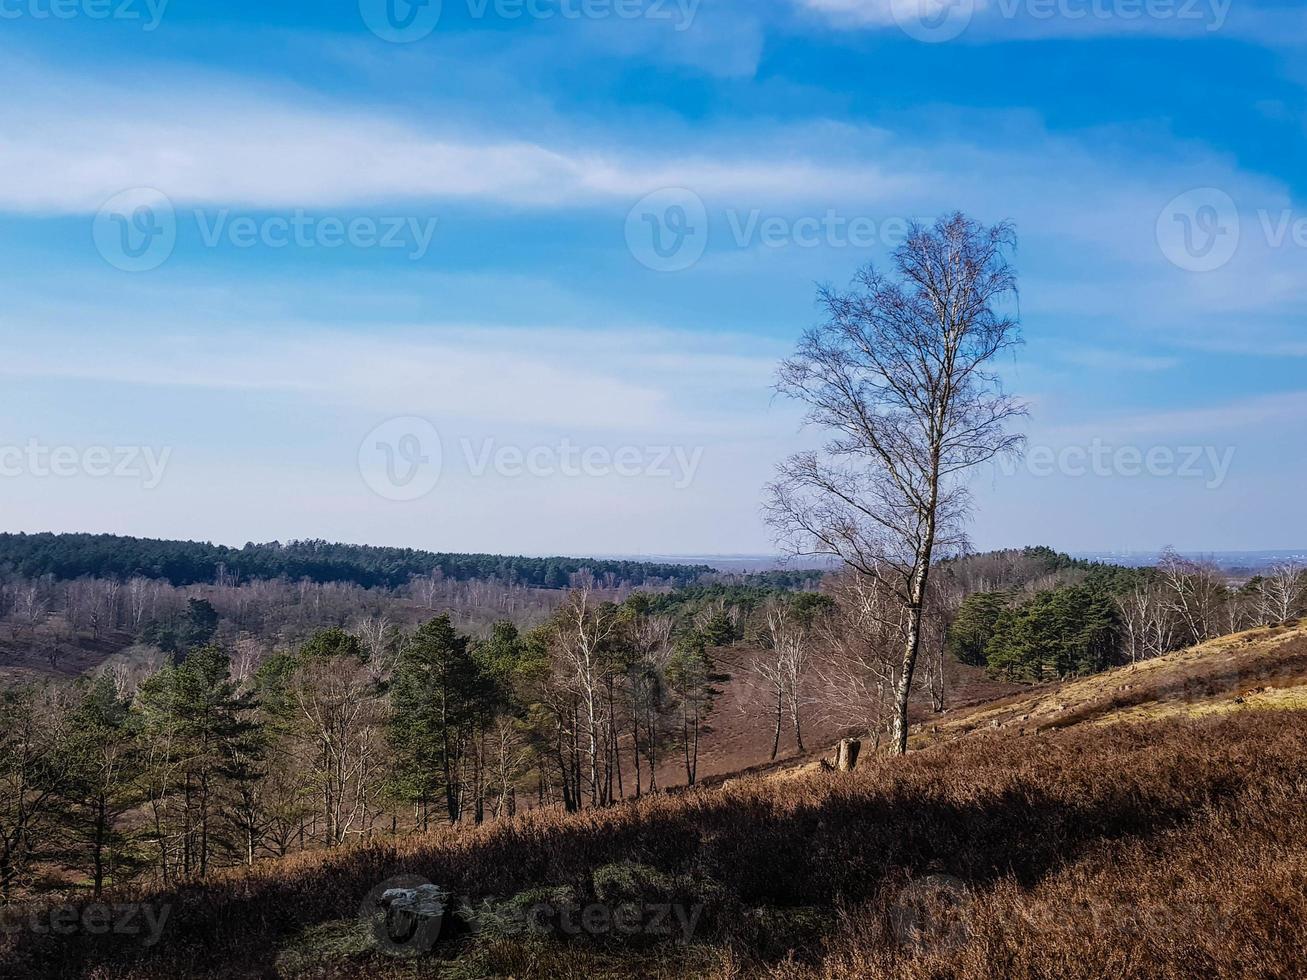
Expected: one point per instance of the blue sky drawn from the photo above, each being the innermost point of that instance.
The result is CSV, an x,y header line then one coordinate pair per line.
x,y
402,285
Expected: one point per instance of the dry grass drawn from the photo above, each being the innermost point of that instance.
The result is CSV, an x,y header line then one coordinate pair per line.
x,y
1219,676
1166,849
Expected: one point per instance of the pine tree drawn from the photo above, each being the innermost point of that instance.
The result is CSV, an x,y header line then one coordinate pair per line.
x,y
204,726
438,698
101,783
692,676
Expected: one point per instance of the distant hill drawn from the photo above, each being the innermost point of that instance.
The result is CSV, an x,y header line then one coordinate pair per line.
x,y
71,556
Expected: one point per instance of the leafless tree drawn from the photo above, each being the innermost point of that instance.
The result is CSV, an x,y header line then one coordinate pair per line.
x,y
338,710
650,640
379,637
33,605
861,653
783,667
584,629
1148,620
1195,593
763,675
900,375
1282,592
139,594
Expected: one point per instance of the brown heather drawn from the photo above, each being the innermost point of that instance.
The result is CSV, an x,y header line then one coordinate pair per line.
x,y
1161,849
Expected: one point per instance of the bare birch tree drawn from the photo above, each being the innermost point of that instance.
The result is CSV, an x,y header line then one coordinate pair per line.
x,y
1282,592
900,375
1196,594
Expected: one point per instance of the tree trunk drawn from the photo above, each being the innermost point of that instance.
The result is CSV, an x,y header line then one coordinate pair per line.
x,y
912,645
780,714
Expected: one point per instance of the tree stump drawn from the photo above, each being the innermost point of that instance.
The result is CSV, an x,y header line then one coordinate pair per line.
x,y
846,758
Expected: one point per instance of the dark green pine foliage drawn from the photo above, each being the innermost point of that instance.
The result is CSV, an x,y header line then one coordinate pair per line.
x,y
100,782
693,676
974,625
1055,634
212,748
182,634
70,556
439,697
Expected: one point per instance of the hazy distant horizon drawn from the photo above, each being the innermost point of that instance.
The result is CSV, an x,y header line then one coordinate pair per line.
x,y
765,561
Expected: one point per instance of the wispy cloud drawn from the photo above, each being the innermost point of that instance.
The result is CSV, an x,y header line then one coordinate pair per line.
x,y
242,147
622,382
1118,360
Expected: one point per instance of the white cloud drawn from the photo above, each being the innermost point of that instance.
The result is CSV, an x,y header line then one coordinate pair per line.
x,y
563,379
1261,413
235,146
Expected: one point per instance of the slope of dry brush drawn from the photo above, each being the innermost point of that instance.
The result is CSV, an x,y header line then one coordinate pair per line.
x,y
1172,849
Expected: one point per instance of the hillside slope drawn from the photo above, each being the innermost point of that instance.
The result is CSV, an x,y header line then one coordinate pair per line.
x,y
1070,839
1256,669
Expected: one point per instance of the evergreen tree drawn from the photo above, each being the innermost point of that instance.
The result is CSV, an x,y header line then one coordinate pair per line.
x,y
33,751
692,676
438,698
204,729
974,625
101,783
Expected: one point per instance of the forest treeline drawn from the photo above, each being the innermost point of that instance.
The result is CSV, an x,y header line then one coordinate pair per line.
x,y
251,721
211,762
71,556
1036,615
